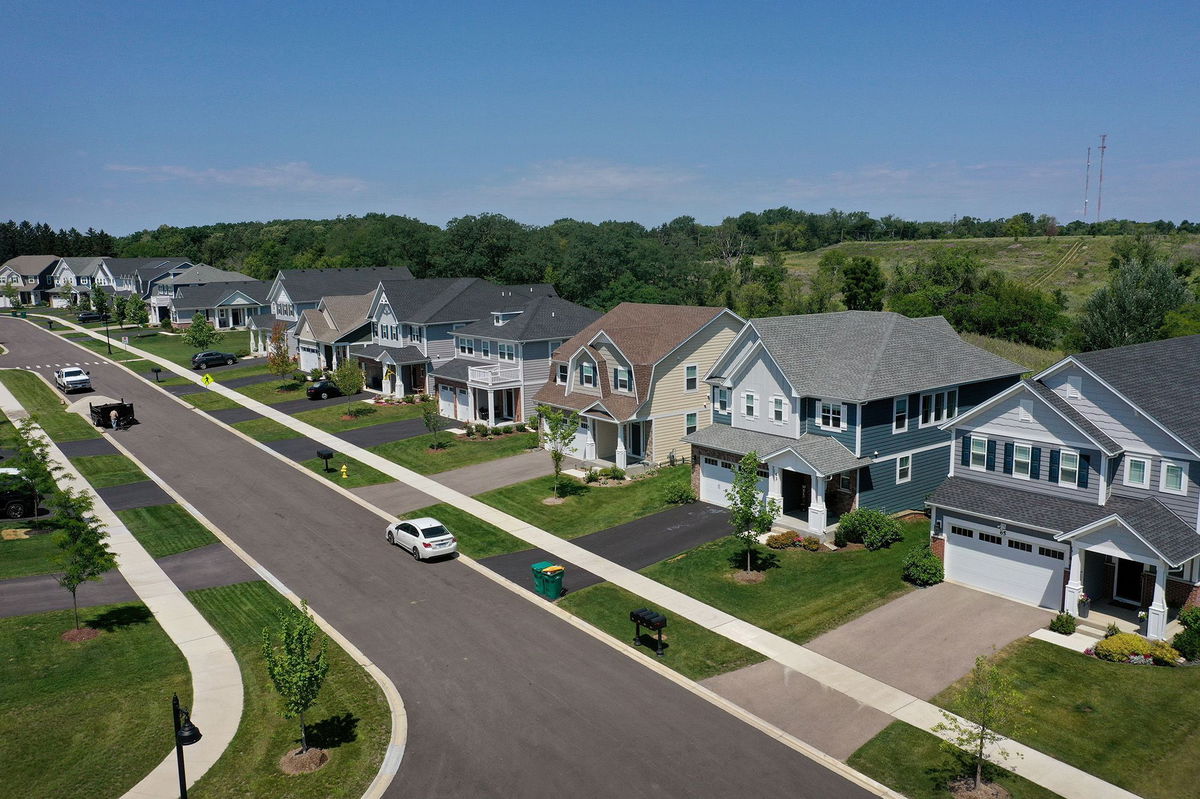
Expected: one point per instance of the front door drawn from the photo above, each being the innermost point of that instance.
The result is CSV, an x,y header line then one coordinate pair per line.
x,y
634,445
796,488
1128,587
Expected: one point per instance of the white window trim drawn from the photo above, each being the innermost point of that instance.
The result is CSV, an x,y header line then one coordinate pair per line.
x,y
844,423
899,468
506,352
562,374
971,461
721,400
619,373
934,420
1162,478
750,400
485,348
783,409
1125,477
587,369
1078,462
695,425
895,412
695,388
1028,463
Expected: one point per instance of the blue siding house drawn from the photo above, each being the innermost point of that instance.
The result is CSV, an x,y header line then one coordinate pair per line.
x,y
845,409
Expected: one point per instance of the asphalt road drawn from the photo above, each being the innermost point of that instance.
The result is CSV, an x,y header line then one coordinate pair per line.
x,y
502,698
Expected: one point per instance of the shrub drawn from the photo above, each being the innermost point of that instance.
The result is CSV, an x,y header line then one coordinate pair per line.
x,y
521,428
1111,630
811,543
1133,648
316,373
872,528
839,537
613,473
1189,617
591,476
681,494
781,540
1063,623
166,324
244,352
298,376
1188,643
469,430
922,567
481,429
361,410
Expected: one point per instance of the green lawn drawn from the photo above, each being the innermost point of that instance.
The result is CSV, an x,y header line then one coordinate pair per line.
x,y
587,509
330,418
8,433
1135,726
103,471
44,404
351,719
22,557
274,391
255,368
804,593
689,649
359,474
915,763
89,718
174,348
166,529
265,430
414,453
209,401
476,538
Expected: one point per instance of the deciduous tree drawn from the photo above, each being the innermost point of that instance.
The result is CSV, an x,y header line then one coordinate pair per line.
x,y
751,514
279,360
297,663
136,310
559,428
82,554
200,334
1132,308
348,378
99,300
435,423
988,702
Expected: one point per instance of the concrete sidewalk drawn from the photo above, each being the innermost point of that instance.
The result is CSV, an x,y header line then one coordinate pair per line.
x,y
216,678
1033,765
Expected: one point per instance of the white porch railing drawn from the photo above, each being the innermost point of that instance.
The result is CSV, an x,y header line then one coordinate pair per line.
x,y
493,375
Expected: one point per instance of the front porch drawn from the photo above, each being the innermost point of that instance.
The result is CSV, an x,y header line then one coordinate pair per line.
x,y
607,442
473,404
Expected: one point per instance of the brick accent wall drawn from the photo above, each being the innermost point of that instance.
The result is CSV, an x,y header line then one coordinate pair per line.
x,y
1179,593
938,545
705,452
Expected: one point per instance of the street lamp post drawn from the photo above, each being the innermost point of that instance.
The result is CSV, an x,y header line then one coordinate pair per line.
x,y
107,337
186,734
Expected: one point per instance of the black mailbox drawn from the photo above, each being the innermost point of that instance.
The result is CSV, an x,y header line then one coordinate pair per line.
x,y
651,620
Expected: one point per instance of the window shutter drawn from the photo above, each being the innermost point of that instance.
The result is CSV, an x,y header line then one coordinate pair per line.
x,y
1008,457
965,460
1085,466
1035,463
1055,456
991,456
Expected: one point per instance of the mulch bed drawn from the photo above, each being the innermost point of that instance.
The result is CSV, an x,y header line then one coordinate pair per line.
x,y
749,578
964,788
82,634
295,762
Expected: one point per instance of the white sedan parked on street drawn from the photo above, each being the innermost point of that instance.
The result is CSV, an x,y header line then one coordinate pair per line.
x,y
423,538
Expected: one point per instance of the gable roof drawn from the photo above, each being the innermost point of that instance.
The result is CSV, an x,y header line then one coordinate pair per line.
x,y
310,285
31,265
82,267
203,273
337,317
210,295
860,356
1160,377
539,319
145,268
456,299
1072,415
824,453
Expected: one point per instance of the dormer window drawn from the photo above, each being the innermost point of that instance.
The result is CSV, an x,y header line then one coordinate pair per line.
x,y
621,379
562,373
498,319
587,374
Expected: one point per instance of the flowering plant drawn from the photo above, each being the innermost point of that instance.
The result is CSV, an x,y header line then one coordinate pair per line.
x,y
1141,615
1084,598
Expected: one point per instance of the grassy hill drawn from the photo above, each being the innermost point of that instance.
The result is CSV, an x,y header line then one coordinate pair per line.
x,y
1076,264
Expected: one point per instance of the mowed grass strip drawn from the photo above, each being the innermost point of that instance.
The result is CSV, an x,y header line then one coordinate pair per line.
x,y
166,529
689,649
46,407
8,433
174,348
209,401
105,471
90,718
351,719
587,509
415,453
330,418
265,430
476,538
357,474
24,557
272,392
918,765
1135,726
804,593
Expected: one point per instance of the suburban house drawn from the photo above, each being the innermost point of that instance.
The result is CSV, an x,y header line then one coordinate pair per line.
x,y
149,277
72,277
227,304
1083,481
325,334
502,360
30,274
635,375
843,409
412,331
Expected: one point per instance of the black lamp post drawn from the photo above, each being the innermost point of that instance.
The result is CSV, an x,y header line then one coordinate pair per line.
x,y
186,734
107,337
325,455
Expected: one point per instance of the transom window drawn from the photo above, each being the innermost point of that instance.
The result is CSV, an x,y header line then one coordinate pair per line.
x,y
691,377
965,532
1024,546
778,412
587,374
1171,480
939,406
506,352
1057,554
1137,472
1068,468
832,415
690,423
989,538
1022,459
900,415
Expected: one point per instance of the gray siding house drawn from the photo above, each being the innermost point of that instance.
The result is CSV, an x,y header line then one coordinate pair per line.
x,y
30,274
1079,489
845,409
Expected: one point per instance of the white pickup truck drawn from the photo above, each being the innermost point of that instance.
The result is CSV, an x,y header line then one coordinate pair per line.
x,y
72,378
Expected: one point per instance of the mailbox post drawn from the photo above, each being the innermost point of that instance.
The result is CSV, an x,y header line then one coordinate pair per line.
x,y
651,620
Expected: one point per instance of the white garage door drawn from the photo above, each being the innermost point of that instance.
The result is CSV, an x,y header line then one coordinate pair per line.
x,y
716,477
446,401
1012,566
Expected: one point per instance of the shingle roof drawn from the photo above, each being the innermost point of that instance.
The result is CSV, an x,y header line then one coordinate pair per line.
x,y
203,273
539,319
145,268
1052,398
338,316
210,295
1161,377
455,368
866,355
824,453
1154,522
399,355
310,285
31,265
83,267
266,321
457,299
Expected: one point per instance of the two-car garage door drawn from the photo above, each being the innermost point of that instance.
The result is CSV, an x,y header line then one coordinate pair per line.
x,y
1014,566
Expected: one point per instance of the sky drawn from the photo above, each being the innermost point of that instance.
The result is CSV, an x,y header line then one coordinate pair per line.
x,y
131,115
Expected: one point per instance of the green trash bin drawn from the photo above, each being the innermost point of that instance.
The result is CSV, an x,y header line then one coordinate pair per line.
x,y
552,579
24,314
539,579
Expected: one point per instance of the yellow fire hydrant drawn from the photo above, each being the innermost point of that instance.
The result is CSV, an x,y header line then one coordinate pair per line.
x,y
345,472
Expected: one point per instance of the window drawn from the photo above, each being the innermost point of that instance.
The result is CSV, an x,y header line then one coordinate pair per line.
x,y
1025,411
466,346
485,348
691,377
587,374
1074,386
764,472
832,415
1022,459
963,531
689,423
903,468
844,481
1056,554
978,453
1024,546
939,406
562,373
721,400
418,334
711,462
1137,472
900,415
989,538
621,379
1171,479
1068,468
750,405
778,409
506,352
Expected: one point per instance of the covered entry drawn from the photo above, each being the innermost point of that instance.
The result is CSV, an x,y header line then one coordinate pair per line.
x,y
795,489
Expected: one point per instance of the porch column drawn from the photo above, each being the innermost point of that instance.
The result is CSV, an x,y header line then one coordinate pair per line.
x,y
589,446
1074,582
1156,617
816,509
622,453
491,408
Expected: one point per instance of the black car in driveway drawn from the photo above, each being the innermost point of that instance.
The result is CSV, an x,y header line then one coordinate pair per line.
x,y
203,360
90,316
323,389
17,498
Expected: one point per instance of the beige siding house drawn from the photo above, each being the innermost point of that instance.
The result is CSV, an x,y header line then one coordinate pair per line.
x,y
636,377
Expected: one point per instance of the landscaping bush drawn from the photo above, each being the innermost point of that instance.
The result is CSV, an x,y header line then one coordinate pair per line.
x,y
469,430
1189,617
781,540
316,373
872,528
1188,643
839,537
1133,648
482,429
613,473
1063,623
811,543
591,476
298,376
244,352
521,428
1111,630
360,410
166,325
680,495
922,567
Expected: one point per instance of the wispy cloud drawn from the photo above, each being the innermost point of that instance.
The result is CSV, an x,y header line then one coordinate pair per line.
x,y
295,176
590,180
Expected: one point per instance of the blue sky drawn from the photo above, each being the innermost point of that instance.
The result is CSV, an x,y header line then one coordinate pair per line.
x,y
134,114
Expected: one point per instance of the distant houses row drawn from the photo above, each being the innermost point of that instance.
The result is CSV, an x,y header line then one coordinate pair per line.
x,y
1082,482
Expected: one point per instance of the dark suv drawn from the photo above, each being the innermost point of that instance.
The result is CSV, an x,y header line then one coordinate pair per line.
x,y
90,316
323,389
203,360
17,499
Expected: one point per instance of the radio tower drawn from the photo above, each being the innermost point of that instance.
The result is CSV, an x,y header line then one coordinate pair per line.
x,y
1087,180
1100,189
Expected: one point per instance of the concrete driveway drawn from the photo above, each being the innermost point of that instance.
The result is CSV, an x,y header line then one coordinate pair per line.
x,y
927,639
